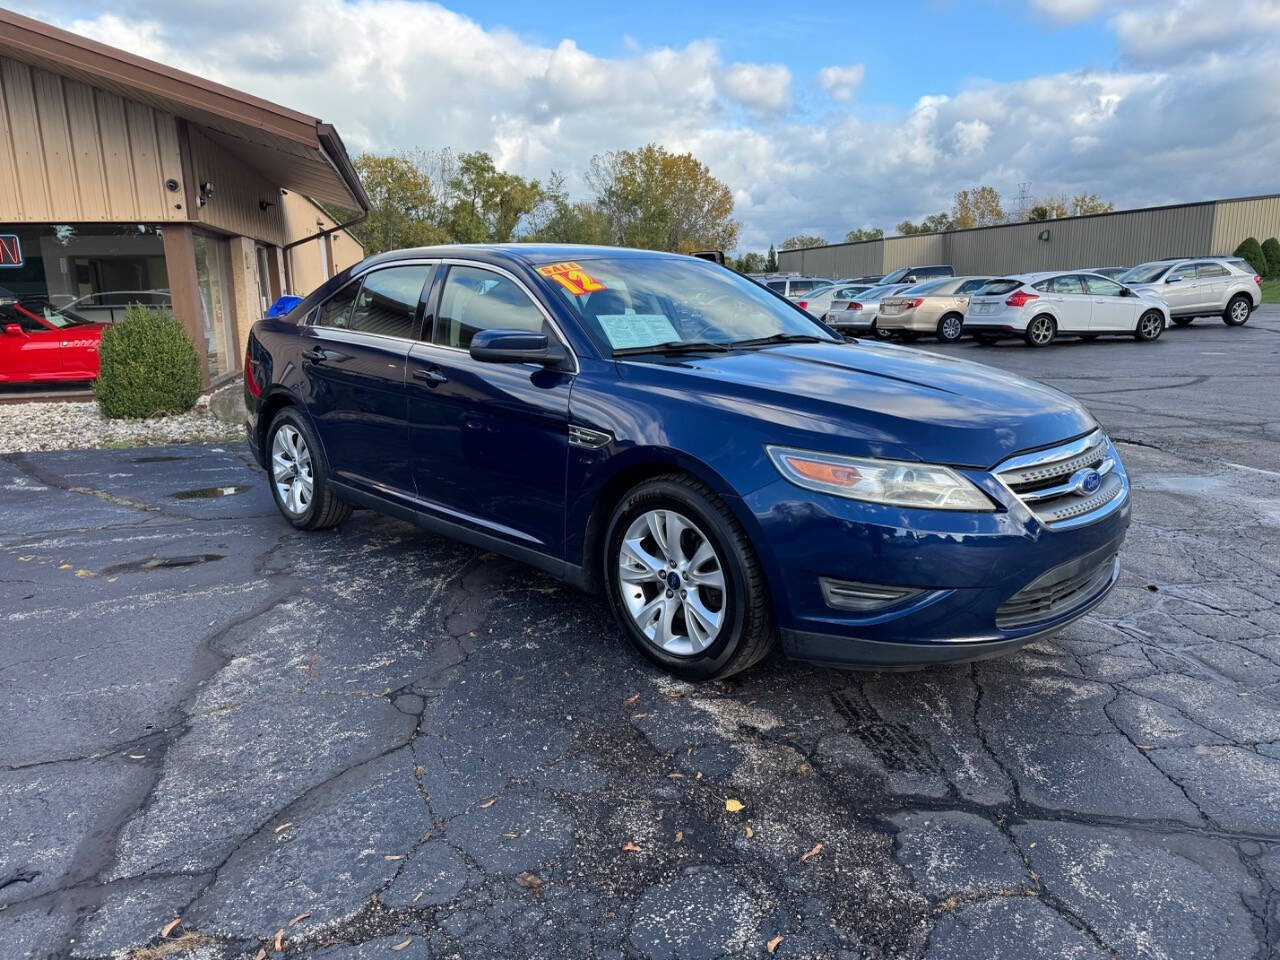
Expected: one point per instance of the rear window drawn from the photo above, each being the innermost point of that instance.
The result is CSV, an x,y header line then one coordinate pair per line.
x,y
973,286
942,271
803,286
1242,265
997,287
777,286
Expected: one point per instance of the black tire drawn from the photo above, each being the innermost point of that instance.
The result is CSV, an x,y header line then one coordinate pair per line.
x,y
878,333
1033,335
986,339
748,633
1238,310
324,510
1183,321
948,330
1150,326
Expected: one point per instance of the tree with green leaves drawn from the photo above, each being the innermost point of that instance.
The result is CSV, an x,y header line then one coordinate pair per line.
x,y
1251,250
936,223
488,203
978,207
657,200
750,262
557,219
801,240
863,233
771,261
1271,252
406,200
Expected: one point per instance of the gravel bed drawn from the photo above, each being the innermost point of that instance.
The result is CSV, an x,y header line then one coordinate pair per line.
x,y
40,425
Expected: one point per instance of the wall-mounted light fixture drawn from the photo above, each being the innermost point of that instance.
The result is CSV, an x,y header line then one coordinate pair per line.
x,y
206,192
1044,235
265,205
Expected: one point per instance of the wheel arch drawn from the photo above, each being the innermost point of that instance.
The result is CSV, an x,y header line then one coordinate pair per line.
x,y
269,406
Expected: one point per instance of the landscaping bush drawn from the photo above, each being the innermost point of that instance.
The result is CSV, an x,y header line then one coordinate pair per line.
x,y
1251,250
147,366
1271,250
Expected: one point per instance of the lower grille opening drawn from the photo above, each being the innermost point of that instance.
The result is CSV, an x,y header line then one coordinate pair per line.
x,y
1058,592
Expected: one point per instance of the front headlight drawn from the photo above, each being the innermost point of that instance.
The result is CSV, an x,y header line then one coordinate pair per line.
x,y
890,482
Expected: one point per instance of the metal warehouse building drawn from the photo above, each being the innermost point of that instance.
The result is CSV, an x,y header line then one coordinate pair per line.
x,y
1122,238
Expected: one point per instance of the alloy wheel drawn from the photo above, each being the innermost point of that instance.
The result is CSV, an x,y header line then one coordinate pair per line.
x,y
1150,325
672,582
1041,330
291,470
1239,312
951,327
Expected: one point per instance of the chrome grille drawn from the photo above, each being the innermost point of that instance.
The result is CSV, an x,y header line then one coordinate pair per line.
x,y
1067,587
1048,482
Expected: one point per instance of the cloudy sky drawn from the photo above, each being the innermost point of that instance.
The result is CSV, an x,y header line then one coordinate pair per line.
x,y
821,116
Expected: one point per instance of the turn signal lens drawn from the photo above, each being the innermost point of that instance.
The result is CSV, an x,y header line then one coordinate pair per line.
x,y
889,482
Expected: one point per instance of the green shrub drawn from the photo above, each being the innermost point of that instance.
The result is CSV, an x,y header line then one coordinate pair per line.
x,y
1271,250
1251,250
147,366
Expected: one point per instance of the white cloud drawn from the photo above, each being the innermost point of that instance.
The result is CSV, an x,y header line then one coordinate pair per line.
x,y
1162,126
765,88
841,82
1068,11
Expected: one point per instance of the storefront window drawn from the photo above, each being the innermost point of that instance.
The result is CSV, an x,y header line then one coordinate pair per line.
x,y
95,270
213,272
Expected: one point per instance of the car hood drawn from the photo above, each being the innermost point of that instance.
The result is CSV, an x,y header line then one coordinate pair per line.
x,y
1148,291
878,400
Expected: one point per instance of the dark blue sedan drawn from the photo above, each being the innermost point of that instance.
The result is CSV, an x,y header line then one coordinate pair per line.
x,y
728,471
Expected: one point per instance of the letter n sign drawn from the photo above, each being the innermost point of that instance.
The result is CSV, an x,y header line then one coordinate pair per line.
x,y
10,250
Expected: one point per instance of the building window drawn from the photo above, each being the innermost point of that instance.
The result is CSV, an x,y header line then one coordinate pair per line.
x,y
213,276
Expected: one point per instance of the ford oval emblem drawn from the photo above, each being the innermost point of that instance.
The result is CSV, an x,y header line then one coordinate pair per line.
x,y
1090,482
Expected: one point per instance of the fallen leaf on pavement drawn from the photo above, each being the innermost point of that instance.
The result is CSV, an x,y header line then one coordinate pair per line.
x,y
284,826
299,918
733,806
751,703
280,940
261,954
630,847
169,927
679,836
631,699
750,833
402,944
418,896
488,803
774,943
675,776
394,856
812,853
530,881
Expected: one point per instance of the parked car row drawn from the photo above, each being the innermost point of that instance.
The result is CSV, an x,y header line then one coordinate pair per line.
x,y
1139,301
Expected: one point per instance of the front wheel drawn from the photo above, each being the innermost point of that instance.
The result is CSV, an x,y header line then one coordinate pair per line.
x,y
1238,310
299,483
1041,331
683,580
1150,326
950,327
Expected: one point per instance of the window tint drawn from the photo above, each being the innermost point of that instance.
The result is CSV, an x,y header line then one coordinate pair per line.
x,y
1241,265
1211,270
1186,271
388,301
476,299
997,287
1071,284
336,311
1144,273
802,286
972,286
777,286
1102,287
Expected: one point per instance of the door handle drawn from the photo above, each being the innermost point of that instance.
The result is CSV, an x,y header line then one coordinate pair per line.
x,y
432,376
316,355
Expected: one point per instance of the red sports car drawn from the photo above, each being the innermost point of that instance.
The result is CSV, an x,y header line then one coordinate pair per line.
x,y
41,342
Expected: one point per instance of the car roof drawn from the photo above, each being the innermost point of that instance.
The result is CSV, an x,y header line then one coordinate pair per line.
x,y
532,254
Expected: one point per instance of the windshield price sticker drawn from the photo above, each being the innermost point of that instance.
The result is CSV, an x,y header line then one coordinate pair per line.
x,y
636,329
572,277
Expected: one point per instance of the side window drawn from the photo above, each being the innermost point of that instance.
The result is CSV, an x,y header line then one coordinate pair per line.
x,y
1071,284
475,299
336,311
388,301
777,286
1102,287
1209,269
1186,271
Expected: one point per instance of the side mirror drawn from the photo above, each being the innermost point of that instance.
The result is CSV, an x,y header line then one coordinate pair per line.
x,y
1174,280
515,346
14,330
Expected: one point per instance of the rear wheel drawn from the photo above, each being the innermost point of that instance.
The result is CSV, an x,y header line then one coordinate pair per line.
x,y
1041,331
1238,310
1150,326
1184,321
299,483
950,327
878,333
683,580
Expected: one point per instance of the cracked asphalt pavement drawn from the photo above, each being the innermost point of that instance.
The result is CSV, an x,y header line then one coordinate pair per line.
x,y
380,743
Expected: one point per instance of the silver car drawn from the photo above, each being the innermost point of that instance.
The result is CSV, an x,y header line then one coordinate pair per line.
x,y
858,315
793,288
1225,287
818,300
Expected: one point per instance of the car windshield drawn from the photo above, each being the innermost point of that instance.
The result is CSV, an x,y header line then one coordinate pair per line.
x,y
1144,273
62,317
629,303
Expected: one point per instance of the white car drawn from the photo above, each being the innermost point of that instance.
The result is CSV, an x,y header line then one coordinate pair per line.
x,y
1039,307
818,300
858,315
1225,287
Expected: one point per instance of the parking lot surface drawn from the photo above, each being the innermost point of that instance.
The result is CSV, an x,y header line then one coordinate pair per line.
x,y
375,742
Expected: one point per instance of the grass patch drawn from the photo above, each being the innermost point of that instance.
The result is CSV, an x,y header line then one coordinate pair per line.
x,y
1271,290
173,948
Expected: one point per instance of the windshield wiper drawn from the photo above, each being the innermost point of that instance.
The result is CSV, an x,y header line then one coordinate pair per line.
x,y
782,338
674,346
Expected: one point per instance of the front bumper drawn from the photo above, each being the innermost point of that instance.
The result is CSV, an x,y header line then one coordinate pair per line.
x,y
967,567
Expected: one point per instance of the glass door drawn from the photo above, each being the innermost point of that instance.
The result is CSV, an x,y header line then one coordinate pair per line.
x,y
213,275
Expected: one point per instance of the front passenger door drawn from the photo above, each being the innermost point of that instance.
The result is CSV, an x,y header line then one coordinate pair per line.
x,y
1113,311
1181,289
489,441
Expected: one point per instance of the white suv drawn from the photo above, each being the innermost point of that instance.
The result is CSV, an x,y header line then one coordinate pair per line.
x,y
1223,287
1040,306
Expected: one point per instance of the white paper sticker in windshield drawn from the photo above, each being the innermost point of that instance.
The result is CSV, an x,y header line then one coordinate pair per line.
x,y
636,329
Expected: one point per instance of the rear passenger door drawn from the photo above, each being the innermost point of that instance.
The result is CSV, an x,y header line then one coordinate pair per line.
x,y
490,441
1214,279
1071,302
354,352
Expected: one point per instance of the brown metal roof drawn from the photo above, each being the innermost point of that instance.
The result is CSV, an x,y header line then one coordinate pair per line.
x,y
297,151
